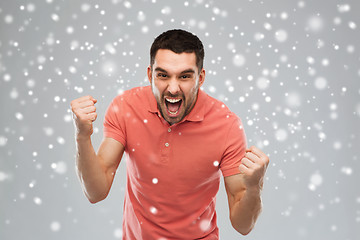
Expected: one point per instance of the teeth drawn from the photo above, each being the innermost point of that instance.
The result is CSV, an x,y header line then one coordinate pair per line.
x,y
173,112
172,100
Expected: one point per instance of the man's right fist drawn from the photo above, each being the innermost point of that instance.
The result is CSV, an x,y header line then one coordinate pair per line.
x,y
84,113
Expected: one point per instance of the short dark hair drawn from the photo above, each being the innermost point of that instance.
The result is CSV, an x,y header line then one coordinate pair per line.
x,y
178,41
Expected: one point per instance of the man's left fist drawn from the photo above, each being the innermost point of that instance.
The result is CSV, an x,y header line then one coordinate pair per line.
x,y
253,167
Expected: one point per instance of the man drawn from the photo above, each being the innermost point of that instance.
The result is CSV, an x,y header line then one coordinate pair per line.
x,y
177,140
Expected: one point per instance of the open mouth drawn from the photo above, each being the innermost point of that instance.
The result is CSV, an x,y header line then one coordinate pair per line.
x,y
173,105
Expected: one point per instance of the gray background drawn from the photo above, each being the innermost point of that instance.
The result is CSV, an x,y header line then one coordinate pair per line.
x,y
289,69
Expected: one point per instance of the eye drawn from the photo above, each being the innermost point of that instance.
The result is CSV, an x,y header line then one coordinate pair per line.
x,y
185,76
162,75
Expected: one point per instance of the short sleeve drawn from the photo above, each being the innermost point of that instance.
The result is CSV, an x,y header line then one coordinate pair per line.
x,y
114,124
234,150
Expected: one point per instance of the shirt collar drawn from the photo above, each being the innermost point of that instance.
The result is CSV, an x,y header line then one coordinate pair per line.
x,y
152,107
196,114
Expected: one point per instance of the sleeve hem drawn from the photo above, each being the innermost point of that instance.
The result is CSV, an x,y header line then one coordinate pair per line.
x,y
230,171
116,137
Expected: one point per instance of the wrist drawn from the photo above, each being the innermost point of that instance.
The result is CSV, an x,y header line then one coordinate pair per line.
x,y
82,138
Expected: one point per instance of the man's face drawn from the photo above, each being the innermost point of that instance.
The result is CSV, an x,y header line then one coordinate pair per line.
x,y
175,81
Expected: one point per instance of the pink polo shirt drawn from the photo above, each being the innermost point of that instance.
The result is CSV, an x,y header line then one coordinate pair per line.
x,y
173,172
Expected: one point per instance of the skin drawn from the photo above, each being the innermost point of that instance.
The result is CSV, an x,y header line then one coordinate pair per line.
x,y
175,76
95,171
172,76
244,190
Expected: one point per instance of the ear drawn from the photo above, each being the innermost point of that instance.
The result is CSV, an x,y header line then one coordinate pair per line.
x,y
149,74
201,77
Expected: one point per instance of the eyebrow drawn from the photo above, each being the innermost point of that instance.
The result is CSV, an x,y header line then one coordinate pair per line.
x,y
159,69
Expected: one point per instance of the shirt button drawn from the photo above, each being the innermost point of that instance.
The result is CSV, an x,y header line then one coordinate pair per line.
x,y
167,144
169,129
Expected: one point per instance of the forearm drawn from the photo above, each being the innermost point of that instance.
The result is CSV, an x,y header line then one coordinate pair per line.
x,y
245,212
90,170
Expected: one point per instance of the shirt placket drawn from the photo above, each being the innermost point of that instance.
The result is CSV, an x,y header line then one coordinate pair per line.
x,y
166,144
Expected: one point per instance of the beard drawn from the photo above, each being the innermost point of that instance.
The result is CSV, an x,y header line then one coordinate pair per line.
x,y
187,104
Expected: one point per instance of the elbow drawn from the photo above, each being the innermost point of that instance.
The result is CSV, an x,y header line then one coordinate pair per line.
x,y
243,227
246,223
243,230
95,198
94,195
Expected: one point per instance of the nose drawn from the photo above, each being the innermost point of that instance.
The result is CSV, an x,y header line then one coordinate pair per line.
x,y
173,87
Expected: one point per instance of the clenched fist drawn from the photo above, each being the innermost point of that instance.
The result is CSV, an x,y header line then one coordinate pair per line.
x,y
253,167
84,113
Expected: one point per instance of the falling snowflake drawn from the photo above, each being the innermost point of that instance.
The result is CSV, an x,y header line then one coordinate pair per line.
x,y
55,226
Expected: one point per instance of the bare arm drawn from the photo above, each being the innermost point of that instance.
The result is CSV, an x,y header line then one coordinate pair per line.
x,y
244,190
96,171
244,204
